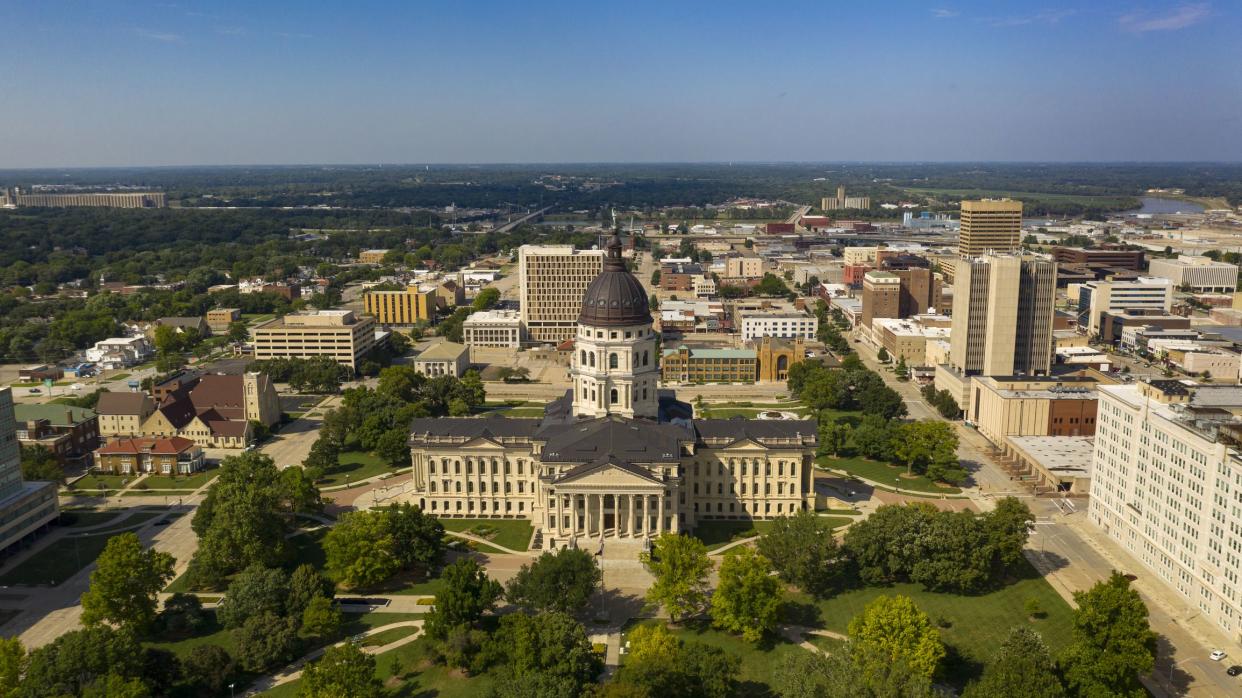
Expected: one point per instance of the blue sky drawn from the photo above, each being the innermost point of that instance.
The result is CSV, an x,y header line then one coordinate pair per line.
x,y
121,82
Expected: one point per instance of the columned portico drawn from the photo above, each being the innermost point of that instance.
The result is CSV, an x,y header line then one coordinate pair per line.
x,y
595,514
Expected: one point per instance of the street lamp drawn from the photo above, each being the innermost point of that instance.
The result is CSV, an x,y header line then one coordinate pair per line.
x,y
231,689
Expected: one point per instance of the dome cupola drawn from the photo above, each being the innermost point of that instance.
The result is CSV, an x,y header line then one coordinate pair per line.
x,y
615,298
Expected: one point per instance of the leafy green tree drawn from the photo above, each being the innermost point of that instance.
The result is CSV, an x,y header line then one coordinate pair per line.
x,y
834,436
321,618
873,437
1022,667
680,567
675,670
1009,527
116,686
882,355
549,644
393,447
209,667
359,549
12,665
901,370
73,661
814,675
182,615
344,670
924,444
255,591
238,331
468,593
651,642
125,583
747,600
892,628
266,641
418,537
803,551
486,299
1111,644
306,584
39,463
563,581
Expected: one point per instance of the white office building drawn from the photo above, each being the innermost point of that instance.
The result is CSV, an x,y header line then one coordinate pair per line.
x,y
1200,274
493,328
784,325
1147,293
1167,485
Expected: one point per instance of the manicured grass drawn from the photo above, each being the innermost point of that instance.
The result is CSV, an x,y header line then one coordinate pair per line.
x,y
56,562
104,482
759,661
840,512
513,534
354,466
716,534
390,635
181,482
308,548
119,377
976,624
886,475
416,678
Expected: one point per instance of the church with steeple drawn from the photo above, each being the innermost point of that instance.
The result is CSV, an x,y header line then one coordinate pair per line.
x,y
616,456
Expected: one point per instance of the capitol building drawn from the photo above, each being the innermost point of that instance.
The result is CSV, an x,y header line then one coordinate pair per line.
x,y
616,457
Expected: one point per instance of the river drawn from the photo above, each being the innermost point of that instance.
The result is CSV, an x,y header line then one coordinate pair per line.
x,y
1157,204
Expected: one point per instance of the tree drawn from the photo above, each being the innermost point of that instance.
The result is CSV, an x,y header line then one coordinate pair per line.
x,y
12,665
182,615
73,661
306,584
256,590
814,675
39,463
417,537
669,668
116,686
238,331
803,551
748,598
468,593
901,371
125,583
1009,527
882,355
1021,667
892,628
321,618
924,444
266,640
680,566
549,645
1111,643
359,549
486,299
563,581
209,667
651,642
344,670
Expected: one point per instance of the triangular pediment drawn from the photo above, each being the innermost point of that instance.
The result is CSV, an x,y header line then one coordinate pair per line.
x,y
608,475
483,443
746,444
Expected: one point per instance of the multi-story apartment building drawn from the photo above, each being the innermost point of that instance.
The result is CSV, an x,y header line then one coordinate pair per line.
x,y
679,276
1144,295
881,297
743,266
551,281
25,507
1002,320
1199,274
1166,484
754,324
614,458
493,328
128,199
337,334
414,304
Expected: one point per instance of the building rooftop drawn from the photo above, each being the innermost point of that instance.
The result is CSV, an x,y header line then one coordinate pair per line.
x,y
1070,456
443,351
56,415
713,353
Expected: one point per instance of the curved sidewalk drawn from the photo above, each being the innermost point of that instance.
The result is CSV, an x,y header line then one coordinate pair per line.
x,y
293,671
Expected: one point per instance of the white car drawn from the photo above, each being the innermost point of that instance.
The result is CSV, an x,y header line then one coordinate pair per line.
x,y
1217,655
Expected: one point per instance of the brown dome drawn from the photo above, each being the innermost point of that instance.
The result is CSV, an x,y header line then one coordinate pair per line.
x,y
615,298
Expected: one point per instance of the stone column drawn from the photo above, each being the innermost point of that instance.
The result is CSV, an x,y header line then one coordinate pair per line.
x,y
600,514
573,514
629,520
560,519
660,514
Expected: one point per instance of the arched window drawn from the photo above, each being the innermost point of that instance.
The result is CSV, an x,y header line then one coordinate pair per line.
x,y
612,395
592,359
612,360
584,359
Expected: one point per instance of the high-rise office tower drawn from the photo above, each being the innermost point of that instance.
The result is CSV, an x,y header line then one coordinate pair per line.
x,y
991,225
1002,315
881,297
551,282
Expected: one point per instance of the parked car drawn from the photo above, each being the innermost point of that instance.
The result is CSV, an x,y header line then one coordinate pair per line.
x,y
1234,670
1217,655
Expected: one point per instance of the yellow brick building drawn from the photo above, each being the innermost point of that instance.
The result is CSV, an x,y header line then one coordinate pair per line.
x,y
400,307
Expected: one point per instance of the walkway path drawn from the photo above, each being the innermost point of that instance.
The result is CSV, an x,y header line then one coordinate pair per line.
x,y
293,672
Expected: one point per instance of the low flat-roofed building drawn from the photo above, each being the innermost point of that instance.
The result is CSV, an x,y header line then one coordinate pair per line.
x,y
1063,339
908,338
851,308
372,256
68,432
493,328
443,359
786,324
1199,274
1056,463
1063,405
1114,326
219,319
685,364
337,334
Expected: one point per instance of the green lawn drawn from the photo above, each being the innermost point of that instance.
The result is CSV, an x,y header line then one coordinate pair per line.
x,y
513,534
119,377
104,482
416,679
716,534
181,482
976,624
56,562
391,635
308,548
885,474
354,466
759,661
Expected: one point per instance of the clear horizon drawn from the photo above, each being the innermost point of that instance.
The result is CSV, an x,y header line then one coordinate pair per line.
x,y
226,83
